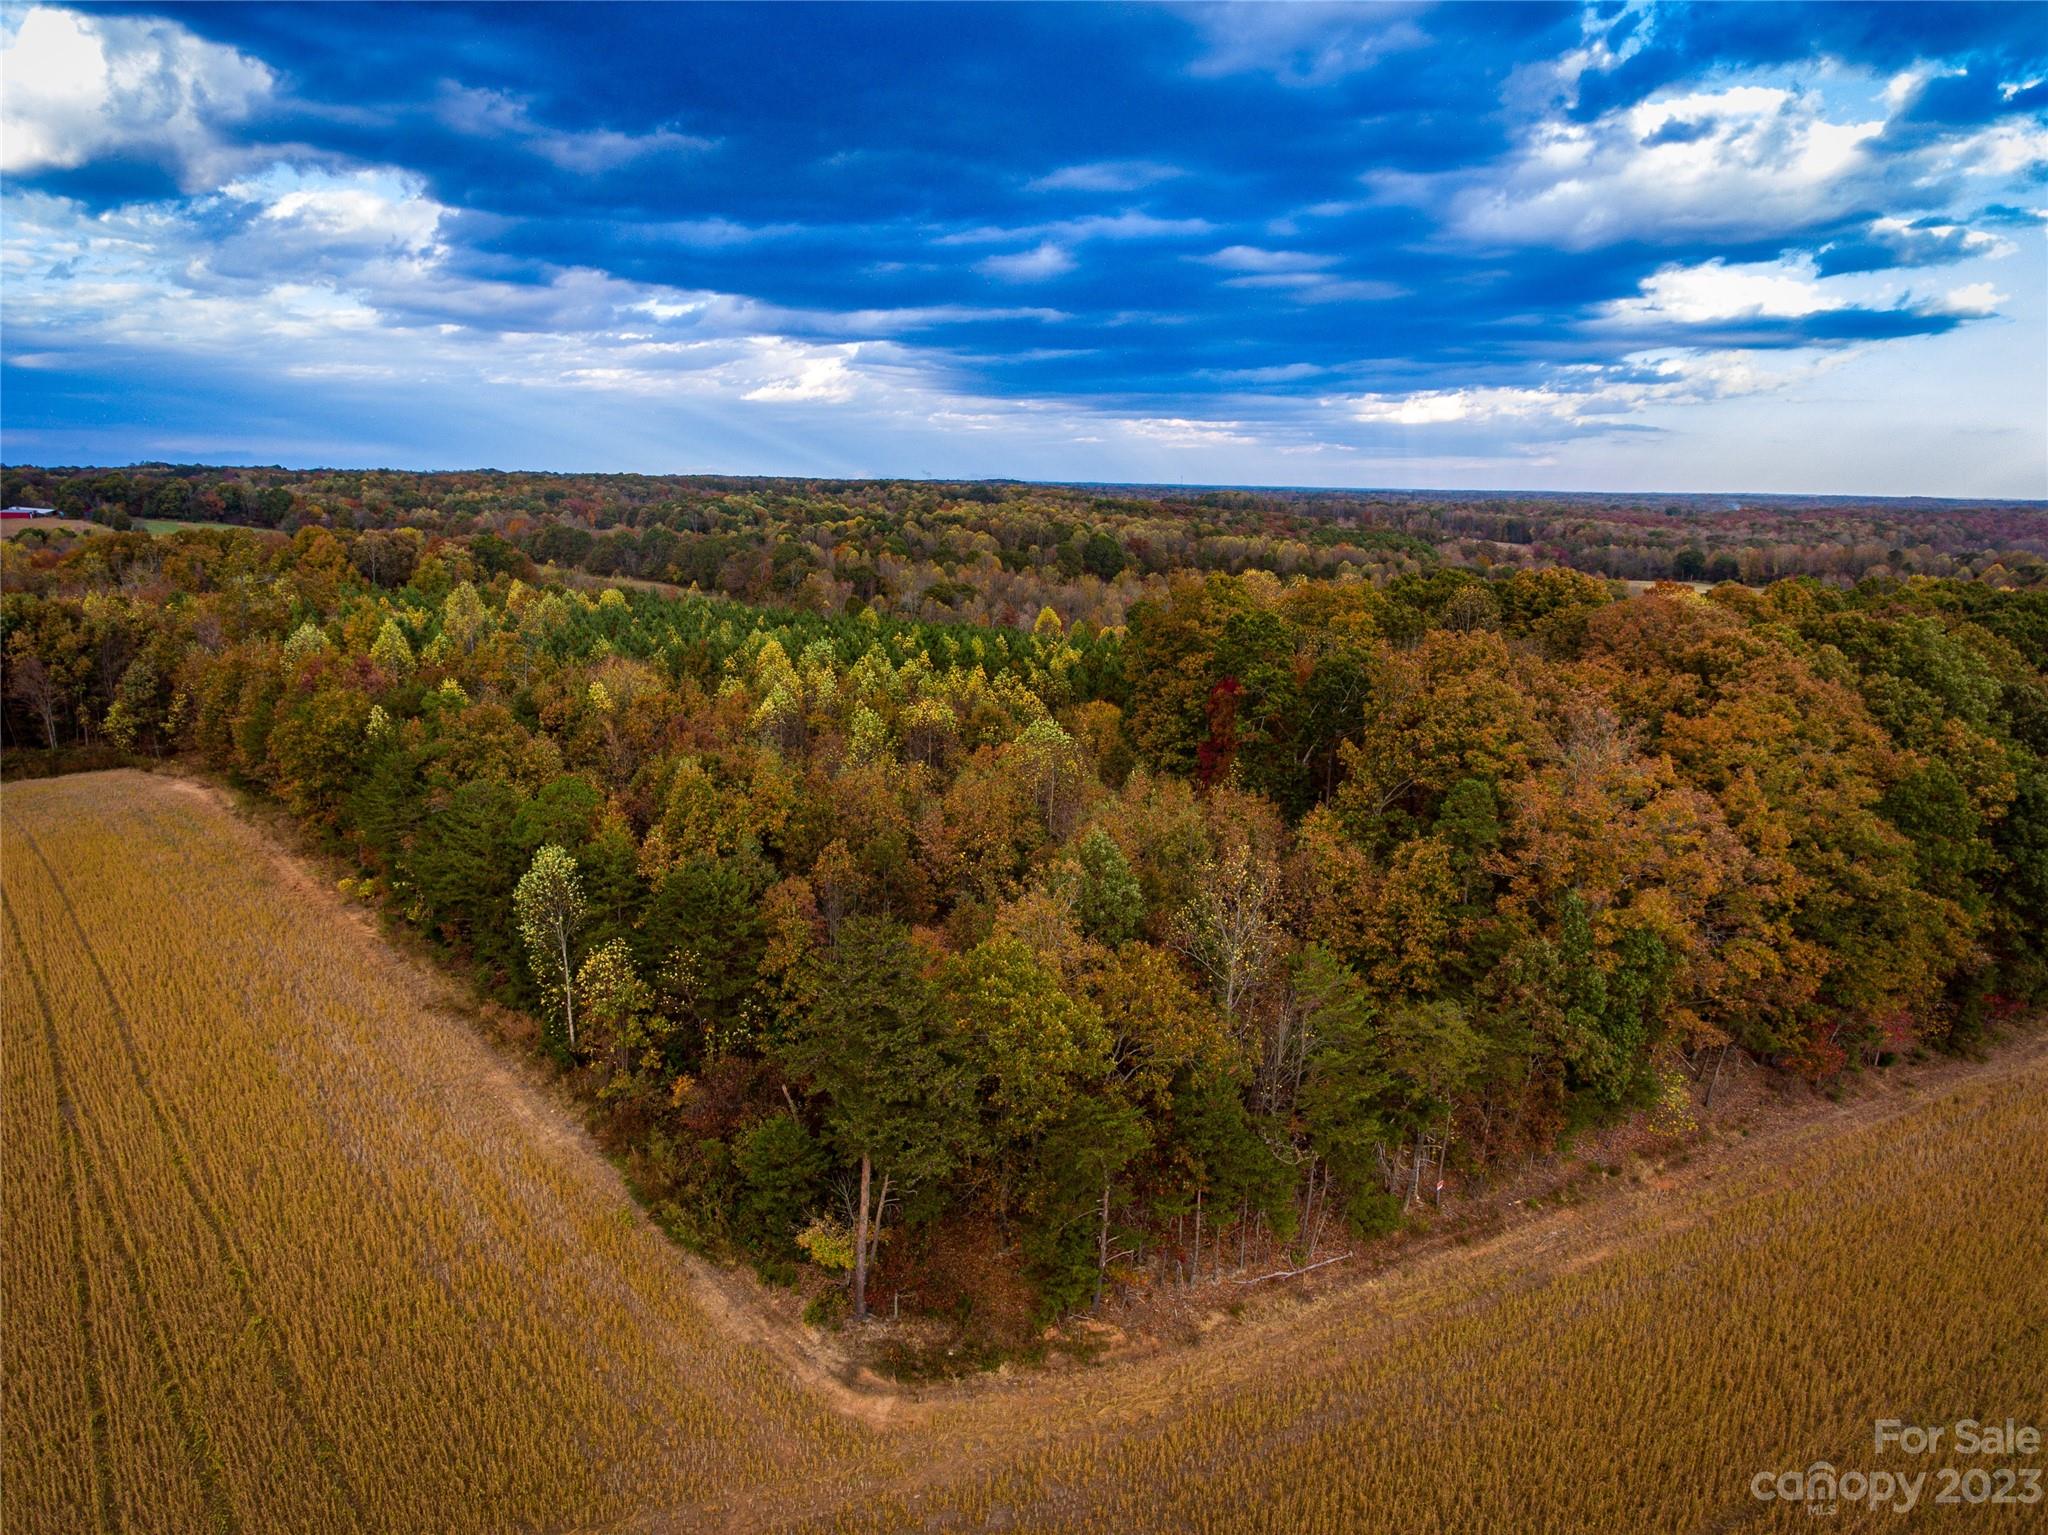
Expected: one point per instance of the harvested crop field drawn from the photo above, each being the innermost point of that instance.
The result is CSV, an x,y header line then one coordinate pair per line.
x,y
288,1251
287,1248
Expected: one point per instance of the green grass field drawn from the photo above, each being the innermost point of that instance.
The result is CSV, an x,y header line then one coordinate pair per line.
x,y
166,525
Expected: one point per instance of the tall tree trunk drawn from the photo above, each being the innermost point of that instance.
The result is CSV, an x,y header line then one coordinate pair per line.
x,y
860,1247
1320,1200
878,1219
1718,1059
1195,1268
1102,1246
568,992
1415,1171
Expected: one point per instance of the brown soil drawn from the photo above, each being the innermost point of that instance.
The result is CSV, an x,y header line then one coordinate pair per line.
x,y
18,525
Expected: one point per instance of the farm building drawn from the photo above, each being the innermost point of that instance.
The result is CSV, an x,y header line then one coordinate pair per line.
x,y
27,511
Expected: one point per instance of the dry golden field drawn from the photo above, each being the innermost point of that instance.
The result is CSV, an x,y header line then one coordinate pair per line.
x,y
287,1249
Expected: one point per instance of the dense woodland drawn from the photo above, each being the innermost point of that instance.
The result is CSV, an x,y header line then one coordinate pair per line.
x,y
996,553
1275,871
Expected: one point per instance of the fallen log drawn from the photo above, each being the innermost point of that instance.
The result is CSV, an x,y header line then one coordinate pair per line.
x,y
1290,1273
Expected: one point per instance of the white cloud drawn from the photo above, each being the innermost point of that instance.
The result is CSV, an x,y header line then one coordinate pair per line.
x,y
1035,265
1929,242
1105,176
922,317
1975,300
135,285
377,208
1713,290
1277,373
1299,274
744,313
302,265
1301,45
1251,258
1129,225
719,233
373,294
492,114
804,373
1588,394
1180,431
1902,87
1364,290
2003,149
600,149
1319,287
1745,159
1434,407
80,87
1596,53
1727,163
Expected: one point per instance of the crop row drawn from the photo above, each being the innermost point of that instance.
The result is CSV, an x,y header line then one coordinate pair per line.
x,y
286,1251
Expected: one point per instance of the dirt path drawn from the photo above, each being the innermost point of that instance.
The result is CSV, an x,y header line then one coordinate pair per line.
x,y
983,1425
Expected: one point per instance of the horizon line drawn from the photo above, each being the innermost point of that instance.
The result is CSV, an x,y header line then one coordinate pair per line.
x,y
1181,487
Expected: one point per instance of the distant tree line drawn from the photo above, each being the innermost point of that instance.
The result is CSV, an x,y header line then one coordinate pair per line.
x,y
996,553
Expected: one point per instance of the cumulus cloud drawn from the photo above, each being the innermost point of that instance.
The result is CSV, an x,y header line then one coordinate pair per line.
x,y
1587,394
87,87
804,373
344,276
1434,407
1723,296
1714,290
1897,242
1741,161
1705,164
2003,149
404,312
1972,301
367,209
1689,222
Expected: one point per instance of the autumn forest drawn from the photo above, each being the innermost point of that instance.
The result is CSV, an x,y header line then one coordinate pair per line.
x,y
971,899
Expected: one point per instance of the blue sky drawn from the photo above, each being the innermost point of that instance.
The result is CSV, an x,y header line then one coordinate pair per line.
x,y
1733,247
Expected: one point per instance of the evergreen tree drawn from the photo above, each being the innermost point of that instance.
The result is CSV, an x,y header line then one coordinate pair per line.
x,y
873,1046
